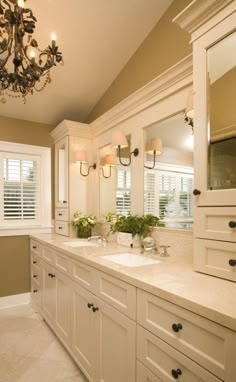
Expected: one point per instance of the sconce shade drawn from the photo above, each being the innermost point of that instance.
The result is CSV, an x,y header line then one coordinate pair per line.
x,y
81,156
108,160
189,107
154,144
118,139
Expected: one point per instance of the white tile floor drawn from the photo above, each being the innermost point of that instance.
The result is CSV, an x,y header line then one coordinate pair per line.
x,y
30,352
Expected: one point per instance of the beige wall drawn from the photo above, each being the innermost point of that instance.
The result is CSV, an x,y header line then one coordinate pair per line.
x,y
14,251
165,46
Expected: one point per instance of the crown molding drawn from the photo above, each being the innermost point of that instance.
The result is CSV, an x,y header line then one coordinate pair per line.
x,y
172,80
71,128
199,13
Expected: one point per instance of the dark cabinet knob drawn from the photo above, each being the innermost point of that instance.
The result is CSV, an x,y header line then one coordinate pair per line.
x,y
60,227
34,247
177,327
64,201
232,262
89,305
176,373
53,276
35,276
34,262
50,274
59,214
95,308
196,192
35,291
232,224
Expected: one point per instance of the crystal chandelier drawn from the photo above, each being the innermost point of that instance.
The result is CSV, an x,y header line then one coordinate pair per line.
x,y
23,66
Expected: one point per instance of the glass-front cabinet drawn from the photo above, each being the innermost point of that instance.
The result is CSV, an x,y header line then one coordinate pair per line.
x,y
215,115
61,168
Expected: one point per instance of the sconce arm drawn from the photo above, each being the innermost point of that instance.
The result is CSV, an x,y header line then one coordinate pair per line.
x,y
92,166
103,174
154,162
135,153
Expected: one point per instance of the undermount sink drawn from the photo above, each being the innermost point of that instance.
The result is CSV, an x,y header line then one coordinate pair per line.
x,y
75,244
130,259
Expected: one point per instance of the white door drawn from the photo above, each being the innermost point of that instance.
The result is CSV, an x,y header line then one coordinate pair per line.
x,y
85,332
117,345
63,307
48,292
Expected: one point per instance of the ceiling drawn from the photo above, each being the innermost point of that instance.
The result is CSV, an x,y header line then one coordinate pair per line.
x,y
97,38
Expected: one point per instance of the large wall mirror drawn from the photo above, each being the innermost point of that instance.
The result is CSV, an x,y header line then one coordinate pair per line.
x,y
168,175
115,181
221,67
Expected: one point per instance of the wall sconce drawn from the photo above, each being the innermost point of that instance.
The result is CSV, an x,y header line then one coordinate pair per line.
x,y
108,161
189,112
154,147
81,157
119,141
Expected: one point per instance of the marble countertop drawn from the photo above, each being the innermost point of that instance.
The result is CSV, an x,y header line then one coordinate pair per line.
x,y
172,279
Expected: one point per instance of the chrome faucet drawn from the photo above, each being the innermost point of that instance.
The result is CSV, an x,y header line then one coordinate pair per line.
x,y
148,246
165,250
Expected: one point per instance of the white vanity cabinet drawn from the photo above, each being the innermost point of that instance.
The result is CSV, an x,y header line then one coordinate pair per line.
x,y
212,25
70,186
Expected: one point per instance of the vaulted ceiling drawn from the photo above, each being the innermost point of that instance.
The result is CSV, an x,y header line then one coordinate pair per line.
x,y
97,38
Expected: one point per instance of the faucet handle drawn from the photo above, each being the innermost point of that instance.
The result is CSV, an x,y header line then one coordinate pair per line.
x,y
165,250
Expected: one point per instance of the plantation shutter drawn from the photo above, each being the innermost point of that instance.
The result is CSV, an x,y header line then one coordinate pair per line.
x,y
20,189
167,195
185,196
150,193
123,202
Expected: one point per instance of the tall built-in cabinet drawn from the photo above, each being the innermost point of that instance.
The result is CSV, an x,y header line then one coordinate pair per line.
x,y
71,188
212,25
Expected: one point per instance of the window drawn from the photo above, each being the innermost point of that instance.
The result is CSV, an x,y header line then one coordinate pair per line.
x,y
123,202
25,188
168,193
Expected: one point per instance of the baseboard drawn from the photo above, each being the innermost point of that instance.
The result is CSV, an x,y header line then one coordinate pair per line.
x,y
17,299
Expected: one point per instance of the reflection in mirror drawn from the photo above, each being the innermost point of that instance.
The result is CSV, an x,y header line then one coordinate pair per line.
x,y
168,184
115,182
61,174
221,66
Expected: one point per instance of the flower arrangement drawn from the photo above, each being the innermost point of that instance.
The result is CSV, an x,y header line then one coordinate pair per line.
x,y
83,224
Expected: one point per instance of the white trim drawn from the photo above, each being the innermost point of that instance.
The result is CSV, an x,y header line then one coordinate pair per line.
x,y
23,231
76,129
169,82
15,300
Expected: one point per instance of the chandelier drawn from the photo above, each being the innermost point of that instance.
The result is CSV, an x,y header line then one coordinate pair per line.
x,y
23,66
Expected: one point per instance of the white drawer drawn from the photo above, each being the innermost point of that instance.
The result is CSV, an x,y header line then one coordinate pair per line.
x,y
213,257
204,341
63,263
36,274
35,261
213,223
62,214
48,255
145,375
62,228
36,293
35,247
164,361
84,275
117,293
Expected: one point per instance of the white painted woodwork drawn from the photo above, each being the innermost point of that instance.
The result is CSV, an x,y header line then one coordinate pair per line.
x,y
117,293
161,359
62,228
213,223
207,197
36,293
158,316
62,214
145,375
48,254
84,274
85,339
212,257
63,263
61,175
48,293
35,247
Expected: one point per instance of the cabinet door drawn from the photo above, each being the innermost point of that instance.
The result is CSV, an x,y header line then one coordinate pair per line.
x,y
61,173
117,345
214,118
63,307
48,293
85,333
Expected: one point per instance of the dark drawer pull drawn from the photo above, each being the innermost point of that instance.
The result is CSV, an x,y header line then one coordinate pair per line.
x,y
64,201
53,276
35,291
50,274
60,227
196,192
89,305
95,308
176,373
177,327
232,224
34,262
232,262
34,247
35,276
59,214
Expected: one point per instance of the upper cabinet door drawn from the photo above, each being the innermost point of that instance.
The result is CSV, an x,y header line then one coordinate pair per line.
x,y
215,115
61,173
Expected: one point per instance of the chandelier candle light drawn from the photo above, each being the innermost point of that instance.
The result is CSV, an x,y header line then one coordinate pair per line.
x,y
20,70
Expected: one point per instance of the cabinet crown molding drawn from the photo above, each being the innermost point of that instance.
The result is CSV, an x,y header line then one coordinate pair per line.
x,y
199,12
76,129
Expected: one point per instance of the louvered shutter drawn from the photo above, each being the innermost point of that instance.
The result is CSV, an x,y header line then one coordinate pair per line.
x,y
123,202
150,193
20,189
